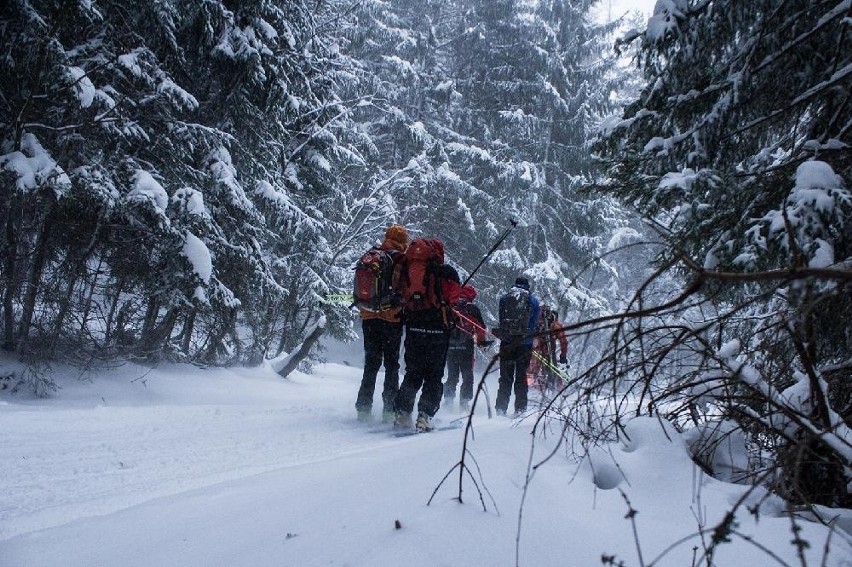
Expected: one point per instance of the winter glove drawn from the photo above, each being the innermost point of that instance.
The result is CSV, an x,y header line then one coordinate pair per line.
x,y
563,360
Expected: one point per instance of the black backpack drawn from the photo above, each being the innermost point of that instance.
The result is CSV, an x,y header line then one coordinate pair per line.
x,y
515,312
373,288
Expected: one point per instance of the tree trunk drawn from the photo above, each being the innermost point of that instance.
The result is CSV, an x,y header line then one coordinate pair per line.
x,y
287,322
75,277
34,280
216,337
87,309
9,267
112,308
154,340
84,259
290,363
262,335
148,323
188,327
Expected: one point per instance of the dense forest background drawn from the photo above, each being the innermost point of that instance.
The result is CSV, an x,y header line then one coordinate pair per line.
x,y
191,181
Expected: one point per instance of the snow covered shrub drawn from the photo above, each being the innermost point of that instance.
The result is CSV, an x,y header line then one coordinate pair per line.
x,y
737,153
722,448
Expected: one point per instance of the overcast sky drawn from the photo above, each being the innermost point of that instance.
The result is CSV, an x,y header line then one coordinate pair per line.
x,y
616,8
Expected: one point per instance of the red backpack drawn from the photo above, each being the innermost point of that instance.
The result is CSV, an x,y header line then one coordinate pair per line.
x,y
373,289
420,287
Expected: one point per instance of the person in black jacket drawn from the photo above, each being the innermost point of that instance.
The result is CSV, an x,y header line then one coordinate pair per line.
x,y
429,290
519,311
469,331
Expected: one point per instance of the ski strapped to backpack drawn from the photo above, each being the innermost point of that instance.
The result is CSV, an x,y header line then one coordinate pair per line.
x,y
545,323
373,286
548,317
557,371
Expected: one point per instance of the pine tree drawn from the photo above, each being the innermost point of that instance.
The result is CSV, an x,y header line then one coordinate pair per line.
x,y
736,151
490,124
173,142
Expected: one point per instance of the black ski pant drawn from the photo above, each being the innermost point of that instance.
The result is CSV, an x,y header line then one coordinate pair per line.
x,y
459,362
425,356
514,360
382,340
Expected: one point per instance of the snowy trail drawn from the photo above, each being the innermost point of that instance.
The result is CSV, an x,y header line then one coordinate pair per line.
x,y
72,463
241,468
284,517
99,467
262,463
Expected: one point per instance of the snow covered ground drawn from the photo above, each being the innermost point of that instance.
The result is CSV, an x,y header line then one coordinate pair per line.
x,y
184,466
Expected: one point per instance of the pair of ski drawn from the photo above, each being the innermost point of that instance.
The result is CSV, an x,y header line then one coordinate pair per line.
x,y
436,426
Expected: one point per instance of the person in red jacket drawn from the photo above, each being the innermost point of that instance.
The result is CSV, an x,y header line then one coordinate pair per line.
x,y
543,369
468,332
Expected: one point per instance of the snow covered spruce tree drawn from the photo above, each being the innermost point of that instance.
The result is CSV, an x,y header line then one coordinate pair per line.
x,y
276,79
161,164
738,153
490,123
404,74
370,169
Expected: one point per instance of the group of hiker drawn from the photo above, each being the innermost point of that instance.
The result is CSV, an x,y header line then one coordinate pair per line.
x,y
406,285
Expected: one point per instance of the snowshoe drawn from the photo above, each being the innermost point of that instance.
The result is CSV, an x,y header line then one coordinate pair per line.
x,y
403,421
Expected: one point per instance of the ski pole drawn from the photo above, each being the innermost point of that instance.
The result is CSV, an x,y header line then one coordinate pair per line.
x,y
493,248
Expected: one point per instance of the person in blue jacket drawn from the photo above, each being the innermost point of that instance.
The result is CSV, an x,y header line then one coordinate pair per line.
x,y
519,311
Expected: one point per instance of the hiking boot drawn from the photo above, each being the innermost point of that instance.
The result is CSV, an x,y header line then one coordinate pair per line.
x,y
388,416
464,406
519,413
403,420
501,412
424,422
364,415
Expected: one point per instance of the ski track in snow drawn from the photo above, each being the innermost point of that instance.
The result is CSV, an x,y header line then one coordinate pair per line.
x,y
71,463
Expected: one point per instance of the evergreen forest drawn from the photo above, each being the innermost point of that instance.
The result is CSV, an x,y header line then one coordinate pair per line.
x,y
193,181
